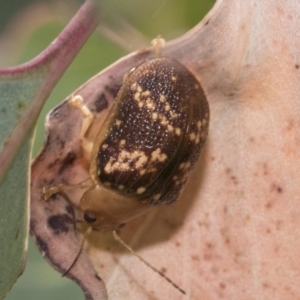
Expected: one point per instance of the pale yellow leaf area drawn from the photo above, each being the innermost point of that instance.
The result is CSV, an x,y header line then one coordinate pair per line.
x,y
233,234
237,221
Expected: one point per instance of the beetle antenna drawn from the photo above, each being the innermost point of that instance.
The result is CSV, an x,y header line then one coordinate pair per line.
x,y
118,238
86,234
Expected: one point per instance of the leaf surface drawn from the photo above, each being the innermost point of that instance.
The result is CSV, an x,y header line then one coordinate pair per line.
x,y
233,234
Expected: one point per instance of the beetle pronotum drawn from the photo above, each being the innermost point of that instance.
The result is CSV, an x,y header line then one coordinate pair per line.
x,y
147,146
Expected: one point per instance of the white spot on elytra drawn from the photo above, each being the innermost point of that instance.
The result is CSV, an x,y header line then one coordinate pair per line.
x,y
184,165
154,116
150,104
113,165
173,115
156,197
162,98
158,155
200,132
122,161
137,96
134,86
141,161
163,120
178,131
146,93
192,136
140,190
170,128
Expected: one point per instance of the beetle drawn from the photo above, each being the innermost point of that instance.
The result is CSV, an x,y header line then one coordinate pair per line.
x,y
146,148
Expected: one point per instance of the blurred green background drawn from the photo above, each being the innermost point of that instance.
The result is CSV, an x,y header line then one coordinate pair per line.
x,y
27,27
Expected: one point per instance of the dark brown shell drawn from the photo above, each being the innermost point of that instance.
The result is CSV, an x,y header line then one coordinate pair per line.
x,y
153,137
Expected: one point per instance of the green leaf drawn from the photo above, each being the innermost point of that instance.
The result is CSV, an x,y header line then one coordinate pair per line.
x,y
23,91
14,217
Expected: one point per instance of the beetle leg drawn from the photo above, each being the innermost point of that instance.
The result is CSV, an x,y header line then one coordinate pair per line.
x,y
77,101
49,191
158,44
88,117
